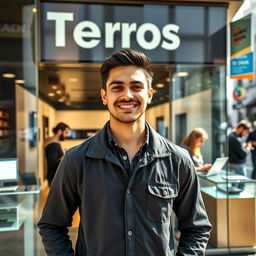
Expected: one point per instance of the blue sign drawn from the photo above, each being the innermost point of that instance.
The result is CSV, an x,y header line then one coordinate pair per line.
x,y
242,65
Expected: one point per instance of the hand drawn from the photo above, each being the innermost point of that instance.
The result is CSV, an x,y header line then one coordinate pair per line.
x,y
204,168
207,167
248,146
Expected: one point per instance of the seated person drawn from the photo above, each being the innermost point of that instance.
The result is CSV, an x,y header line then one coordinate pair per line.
x,y
193,143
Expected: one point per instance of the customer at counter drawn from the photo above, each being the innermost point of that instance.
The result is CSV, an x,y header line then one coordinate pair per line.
x,y
238,150
193,143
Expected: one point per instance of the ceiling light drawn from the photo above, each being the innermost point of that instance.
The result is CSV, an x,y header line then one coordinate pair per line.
x,y
168,79
59,92
61,100
54,87
19,81
174,79
73,79
51,94
160,85
34,9
9,75
182,74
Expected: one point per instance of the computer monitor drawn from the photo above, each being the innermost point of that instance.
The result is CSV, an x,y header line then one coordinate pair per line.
x,y
9,170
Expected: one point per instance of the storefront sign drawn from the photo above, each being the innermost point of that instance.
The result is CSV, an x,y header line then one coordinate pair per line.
x,y
242,49
87,34
81,32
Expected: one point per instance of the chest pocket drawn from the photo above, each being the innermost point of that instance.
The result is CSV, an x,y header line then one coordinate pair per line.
x,y
160,200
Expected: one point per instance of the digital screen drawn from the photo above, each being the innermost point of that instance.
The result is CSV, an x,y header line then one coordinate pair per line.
x,y
8,169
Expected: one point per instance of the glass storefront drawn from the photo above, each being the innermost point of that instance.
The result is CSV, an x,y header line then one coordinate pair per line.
x,y
56,79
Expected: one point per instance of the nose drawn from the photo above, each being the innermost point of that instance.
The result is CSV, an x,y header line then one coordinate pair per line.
x,y
127,94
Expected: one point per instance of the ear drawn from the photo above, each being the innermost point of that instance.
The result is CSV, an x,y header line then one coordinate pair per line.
x,y
103,97
150,95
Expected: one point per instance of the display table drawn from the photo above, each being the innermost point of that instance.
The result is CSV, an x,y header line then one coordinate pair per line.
x,y
17,209
232,215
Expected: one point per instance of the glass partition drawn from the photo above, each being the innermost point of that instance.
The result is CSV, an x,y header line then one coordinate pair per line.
x,y
18,127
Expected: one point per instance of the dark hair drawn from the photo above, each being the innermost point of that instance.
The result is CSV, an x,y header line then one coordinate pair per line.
x,y
246,125
126,57
60,126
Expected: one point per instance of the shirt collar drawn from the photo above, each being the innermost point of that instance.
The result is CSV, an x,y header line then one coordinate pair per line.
x,y
111,140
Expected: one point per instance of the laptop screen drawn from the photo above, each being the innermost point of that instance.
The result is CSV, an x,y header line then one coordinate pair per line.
x,y
9,169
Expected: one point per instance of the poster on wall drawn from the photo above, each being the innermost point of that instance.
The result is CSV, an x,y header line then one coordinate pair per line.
x,y
242,48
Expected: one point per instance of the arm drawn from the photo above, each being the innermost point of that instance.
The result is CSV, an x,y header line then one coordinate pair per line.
x,y
189,208
61,204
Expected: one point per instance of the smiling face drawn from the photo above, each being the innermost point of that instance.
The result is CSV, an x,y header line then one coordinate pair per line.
x,y
127,94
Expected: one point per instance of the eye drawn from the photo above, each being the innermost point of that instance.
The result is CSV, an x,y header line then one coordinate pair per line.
x,y
116,88
137,87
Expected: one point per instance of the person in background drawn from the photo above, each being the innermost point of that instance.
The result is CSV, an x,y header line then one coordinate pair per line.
x,y
193,143
237,150
252,139
126,180
53,151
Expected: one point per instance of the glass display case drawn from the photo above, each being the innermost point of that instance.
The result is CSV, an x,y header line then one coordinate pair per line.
x,y
18,217
230,203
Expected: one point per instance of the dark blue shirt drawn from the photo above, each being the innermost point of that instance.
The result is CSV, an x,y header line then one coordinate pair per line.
x,y
122,155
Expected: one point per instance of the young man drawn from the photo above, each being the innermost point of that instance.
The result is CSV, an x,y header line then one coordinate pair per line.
x,y
125,180
53,151
238,150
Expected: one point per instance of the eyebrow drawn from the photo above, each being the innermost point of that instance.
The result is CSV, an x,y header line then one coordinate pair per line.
x,y
120,82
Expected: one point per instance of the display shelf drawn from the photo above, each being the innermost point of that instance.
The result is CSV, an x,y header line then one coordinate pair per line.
x,y
232,214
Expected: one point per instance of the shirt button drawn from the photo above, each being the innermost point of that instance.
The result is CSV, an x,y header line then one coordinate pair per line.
x,y
129,233
165,192
125,157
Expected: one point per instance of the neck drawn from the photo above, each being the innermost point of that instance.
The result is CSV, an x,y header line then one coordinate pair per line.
x,y
128,134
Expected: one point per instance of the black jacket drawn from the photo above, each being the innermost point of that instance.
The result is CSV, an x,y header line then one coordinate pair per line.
x,y
123,216
236,152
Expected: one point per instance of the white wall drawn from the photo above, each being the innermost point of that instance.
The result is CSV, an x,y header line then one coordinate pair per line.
x,y
44,110
81,119
198,108
26,102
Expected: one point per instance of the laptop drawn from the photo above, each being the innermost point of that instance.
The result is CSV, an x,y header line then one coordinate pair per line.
x,y
216,167
229,189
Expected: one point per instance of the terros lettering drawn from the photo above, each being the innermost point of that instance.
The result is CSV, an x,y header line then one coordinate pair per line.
x,y
87,34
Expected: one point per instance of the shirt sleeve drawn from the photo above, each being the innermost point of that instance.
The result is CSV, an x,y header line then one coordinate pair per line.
x,y
189,208
60,206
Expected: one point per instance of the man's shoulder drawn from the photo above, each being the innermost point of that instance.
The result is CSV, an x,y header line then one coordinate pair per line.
x,y
176,151
78,151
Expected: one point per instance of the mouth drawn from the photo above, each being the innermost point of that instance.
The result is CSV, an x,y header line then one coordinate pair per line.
x,y
127,106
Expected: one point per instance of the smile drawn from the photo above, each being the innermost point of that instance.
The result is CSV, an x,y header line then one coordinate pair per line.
x,y
127,106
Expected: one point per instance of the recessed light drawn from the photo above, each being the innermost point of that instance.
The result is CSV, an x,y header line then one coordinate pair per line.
x,y
168,79
61,100
51,94
54,87
182,74
73,79
160,85
59,92
9,75
19,81
34,9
